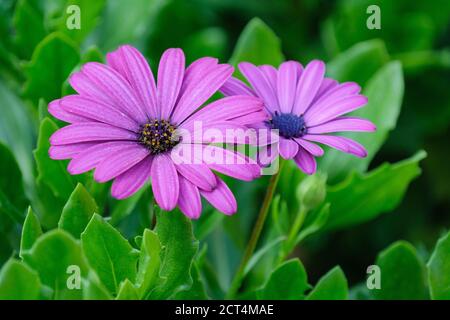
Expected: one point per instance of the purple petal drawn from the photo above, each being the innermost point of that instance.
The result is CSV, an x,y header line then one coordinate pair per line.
x,y
129,182
120,161
198,174
305,161
81,83
271,75
90,131
196,71
170,78
286,85
117,88
96,110
226,109
336,109
54,108
327,85
267,154
221,198
234,87
220,132
235,165
260,84
131,64
340,143
308,86
165,182
200,91
68,151
90,157
189,200
312,148
288,148
343,124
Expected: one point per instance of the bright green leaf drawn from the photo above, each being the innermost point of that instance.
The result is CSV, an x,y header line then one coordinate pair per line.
x,y
93,289
77,212
51,256
18,282
402,273
439,270
287,282
127,291
149,263
332,286
360,198
197,290
109,254
31,231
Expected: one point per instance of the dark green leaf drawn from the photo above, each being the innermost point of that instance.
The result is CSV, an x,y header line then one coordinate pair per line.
x,y
109,254
77,212
332,286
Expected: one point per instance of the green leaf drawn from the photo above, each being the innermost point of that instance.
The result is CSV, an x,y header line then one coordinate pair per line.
x,y
12,195
439,270
332,286
93,289
402,273
90,11
149,263
359,63
316,225
77,212
109,254
52,61
175,234
18,282
51,256
123,208
257,44
197,290
50,172
385,93
287,282
360,198
31,231
29,27
127,291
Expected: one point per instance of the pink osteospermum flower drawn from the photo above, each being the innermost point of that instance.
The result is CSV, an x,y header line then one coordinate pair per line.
x,y
304,106
122,125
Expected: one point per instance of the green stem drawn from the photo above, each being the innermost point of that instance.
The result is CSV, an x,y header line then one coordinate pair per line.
x,y
257,229
291,239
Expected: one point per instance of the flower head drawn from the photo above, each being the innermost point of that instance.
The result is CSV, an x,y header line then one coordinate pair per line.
x,y
124,125
304,106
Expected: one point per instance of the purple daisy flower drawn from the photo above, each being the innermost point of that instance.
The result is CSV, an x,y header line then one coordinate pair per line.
x,y
304,106
123,125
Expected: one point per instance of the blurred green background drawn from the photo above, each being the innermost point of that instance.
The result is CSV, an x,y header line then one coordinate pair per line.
x,y
416,33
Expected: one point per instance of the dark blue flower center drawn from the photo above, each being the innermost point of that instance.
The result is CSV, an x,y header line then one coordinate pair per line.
x,y
158,136
289,125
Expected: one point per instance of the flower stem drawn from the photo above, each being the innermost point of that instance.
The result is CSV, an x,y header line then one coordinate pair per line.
x,y
290,243
257,229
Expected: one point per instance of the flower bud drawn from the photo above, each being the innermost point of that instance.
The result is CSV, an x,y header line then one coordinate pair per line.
x,y
312,191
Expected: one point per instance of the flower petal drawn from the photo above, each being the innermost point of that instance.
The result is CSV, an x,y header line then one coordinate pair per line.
x,y
340,143
200,91
286,85
305,161
308,86
117,88
170,78
221,198
90,157
343,124
131,64
189,200
327,85
165,183
288,148
55,109
86,88
260,84
119,162
196,71
97,111
129,182
234,87
198,174
90,131
68,151
271,75
312,148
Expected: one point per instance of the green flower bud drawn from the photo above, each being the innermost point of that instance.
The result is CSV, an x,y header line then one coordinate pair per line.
x,y
312,191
